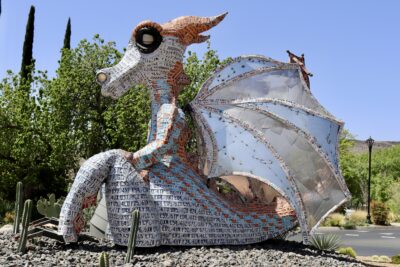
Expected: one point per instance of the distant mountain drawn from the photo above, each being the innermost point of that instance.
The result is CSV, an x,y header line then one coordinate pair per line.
x,y
360,146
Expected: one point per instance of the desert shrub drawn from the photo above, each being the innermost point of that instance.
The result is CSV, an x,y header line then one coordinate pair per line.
x,y
326,222
349,225
334,219
358,217
396,259
9,217
394,202
325,242
380,213
349,251
5,207
391,217
375,258
382,258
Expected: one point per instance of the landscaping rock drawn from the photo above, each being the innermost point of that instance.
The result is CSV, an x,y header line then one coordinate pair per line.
x,y
6,228
47,252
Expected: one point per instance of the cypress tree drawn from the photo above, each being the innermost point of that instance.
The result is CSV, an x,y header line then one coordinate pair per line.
x,y
67,37
27,59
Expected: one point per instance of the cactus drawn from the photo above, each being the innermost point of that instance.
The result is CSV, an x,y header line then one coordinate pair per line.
x,y
19,198
104,260
50,208
26,219
132,236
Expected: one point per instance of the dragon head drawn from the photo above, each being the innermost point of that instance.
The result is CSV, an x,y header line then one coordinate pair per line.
x,y
155,52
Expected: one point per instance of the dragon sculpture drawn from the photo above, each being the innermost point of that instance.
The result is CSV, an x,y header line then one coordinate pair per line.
x,y
256,119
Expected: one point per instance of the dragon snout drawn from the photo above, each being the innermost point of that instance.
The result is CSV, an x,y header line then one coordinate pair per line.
x,y
103,78
118,79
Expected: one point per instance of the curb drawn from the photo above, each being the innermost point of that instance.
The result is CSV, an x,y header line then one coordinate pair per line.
x,y
393,225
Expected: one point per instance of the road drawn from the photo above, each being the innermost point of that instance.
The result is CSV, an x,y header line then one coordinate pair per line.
x,y
366,241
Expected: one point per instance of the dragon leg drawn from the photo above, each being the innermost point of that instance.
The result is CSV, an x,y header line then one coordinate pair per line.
x,y
83,193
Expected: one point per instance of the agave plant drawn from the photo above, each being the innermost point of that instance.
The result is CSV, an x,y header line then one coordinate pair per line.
x,y
326,242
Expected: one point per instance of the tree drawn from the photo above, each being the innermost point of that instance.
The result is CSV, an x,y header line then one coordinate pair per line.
x,y
350,167
67,119
51,129
24,155
198,70
77,106
27,59
385,173
67,36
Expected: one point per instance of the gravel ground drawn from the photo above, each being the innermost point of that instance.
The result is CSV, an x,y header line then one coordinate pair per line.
x,y
46,252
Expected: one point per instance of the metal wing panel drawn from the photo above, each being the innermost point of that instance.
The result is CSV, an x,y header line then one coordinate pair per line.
x,y
240,66
206,143
283,83
271,101
322,130
315,178
240,152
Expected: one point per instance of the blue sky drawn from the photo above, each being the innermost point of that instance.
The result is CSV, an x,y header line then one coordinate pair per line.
x,y
351,47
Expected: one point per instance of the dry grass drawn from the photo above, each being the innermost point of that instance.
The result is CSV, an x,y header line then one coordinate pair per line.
x,y
358,217
334,219
372,261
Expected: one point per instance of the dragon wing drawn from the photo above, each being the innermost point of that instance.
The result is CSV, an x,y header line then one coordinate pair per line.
x,y
256,117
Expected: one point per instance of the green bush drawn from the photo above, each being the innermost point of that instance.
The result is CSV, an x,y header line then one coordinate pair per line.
x,y
393,202
9,217
380,213
396,218
396,259
349,225
325,242
375,258
334,219
391,217
5,207
349,251
382,258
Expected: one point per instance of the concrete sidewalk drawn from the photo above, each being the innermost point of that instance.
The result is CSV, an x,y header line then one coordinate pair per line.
x,y
360,227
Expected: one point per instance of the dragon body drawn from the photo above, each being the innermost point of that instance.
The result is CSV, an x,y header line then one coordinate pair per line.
x,y
176,205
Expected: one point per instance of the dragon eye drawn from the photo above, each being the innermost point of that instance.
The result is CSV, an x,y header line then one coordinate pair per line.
x,y
148,39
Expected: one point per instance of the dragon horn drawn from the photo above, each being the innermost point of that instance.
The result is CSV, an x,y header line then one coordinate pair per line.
x,y
188,28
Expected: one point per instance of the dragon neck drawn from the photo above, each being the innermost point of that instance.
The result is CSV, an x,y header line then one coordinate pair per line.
x,y
165,91
161,93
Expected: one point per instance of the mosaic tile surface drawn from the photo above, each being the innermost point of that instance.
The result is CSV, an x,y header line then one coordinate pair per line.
x,y
255,117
